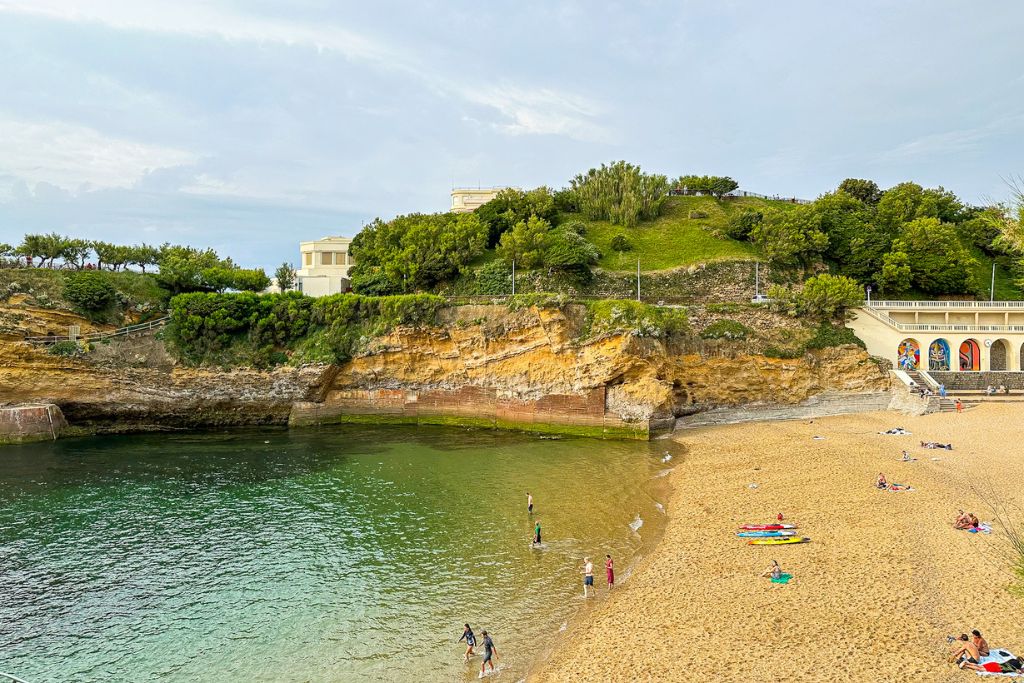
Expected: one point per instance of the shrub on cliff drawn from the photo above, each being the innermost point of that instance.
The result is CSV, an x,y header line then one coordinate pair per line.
x,y
726,329
251,329
89,290
828,335
634,318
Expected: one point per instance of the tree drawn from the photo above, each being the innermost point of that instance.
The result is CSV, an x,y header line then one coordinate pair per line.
x,y
89,290
248,279
620,193
826,296
567,250
939,263
186,269
707,184
285,276
75,252
787,237
895,276
525,243
865,191
899,205
417,251
854,242
722,185
143,255
742,222
511,206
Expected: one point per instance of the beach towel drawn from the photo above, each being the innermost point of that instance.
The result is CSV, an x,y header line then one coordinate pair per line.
x,y
783,579
896,431
899,488
984,528
999,656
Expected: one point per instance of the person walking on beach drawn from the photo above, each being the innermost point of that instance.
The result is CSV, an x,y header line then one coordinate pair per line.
x,y
529,502
959,406
470,639
536,533
489,651
609,571
588,576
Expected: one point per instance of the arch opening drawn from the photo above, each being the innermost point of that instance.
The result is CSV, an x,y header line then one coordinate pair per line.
x,y
938,355
970,356
999,355
908,354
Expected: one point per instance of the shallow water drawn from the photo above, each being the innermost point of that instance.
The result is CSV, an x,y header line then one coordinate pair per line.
x,y
342,554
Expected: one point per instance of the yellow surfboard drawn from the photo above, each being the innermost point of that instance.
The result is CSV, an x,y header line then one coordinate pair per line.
x,y
778,541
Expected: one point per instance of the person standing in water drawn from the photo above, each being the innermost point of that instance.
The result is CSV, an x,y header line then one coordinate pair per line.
x,y
489,650
529,502
536,533
470,639
588,575
609,571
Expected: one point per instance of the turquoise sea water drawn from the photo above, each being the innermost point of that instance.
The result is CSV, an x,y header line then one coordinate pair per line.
x,y
343,554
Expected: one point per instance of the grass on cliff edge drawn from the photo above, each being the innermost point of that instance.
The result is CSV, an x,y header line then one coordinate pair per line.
x,y
674,239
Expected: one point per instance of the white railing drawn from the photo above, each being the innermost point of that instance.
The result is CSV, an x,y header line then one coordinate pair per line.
x,y
947,304
938,327
9,677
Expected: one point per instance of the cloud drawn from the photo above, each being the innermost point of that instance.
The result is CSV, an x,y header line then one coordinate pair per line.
x,y
950,141
541,111
77,158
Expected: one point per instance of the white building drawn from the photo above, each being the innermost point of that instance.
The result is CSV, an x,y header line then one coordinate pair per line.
x,y
324,266
466,199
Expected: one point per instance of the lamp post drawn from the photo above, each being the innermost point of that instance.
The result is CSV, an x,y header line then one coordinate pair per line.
x,y
513,278
638,279
868,288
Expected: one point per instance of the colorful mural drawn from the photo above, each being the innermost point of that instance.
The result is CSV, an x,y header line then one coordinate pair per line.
x,y
970,356
909,354
938,355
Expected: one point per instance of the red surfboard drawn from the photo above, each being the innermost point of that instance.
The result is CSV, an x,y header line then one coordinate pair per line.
x,y
767,527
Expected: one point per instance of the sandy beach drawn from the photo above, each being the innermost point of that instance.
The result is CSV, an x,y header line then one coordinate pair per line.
x,y
883,581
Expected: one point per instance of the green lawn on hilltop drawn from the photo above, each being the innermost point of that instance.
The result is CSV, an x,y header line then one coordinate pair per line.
x,y
674,239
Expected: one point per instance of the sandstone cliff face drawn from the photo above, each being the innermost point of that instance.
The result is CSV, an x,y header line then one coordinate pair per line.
x,y
517,360
486,365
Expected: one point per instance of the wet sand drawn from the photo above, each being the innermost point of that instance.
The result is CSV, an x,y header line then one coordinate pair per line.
x,y
883,581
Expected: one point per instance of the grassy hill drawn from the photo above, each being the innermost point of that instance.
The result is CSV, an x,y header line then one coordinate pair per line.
x,y
674,239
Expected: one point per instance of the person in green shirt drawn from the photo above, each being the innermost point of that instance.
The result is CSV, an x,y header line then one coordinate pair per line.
x,y
536,533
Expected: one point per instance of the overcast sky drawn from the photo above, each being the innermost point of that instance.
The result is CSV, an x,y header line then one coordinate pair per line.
x,y
248,125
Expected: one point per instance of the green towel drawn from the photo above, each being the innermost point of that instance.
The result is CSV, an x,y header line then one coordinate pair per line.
x,y
783,579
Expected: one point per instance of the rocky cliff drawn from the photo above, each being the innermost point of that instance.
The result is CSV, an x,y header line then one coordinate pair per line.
x,y
485,365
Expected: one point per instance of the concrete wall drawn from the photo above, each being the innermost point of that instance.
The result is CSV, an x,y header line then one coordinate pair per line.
x,y
818,406
583,414
24,424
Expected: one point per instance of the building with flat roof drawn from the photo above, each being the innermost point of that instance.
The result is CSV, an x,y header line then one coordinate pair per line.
x,y
466,199
324,266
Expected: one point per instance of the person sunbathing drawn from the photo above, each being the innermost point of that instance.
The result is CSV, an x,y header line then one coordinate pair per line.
x,y
963,520
980,643
774,571
936,444
882,483
965,653
974,523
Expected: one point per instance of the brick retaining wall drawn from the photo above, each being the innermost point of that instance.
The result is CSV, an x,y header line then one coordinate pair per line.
x,y
473,406
24,424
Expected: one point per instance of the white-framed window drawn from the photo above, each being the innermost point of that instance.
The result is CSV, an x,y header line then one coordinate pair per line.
x,y
327,258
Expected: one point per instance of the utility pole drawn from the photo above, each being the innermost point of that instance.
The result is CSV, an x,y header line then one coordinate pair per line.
x,y
513,278
992,290
638,279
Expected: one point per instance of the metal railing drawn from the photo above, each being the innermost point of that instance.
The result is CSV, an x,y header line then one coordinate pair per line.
x,y
98,336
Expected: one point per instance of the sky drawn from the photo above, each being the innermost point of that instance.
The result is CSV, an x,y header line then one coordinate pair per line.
x,y
249,125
